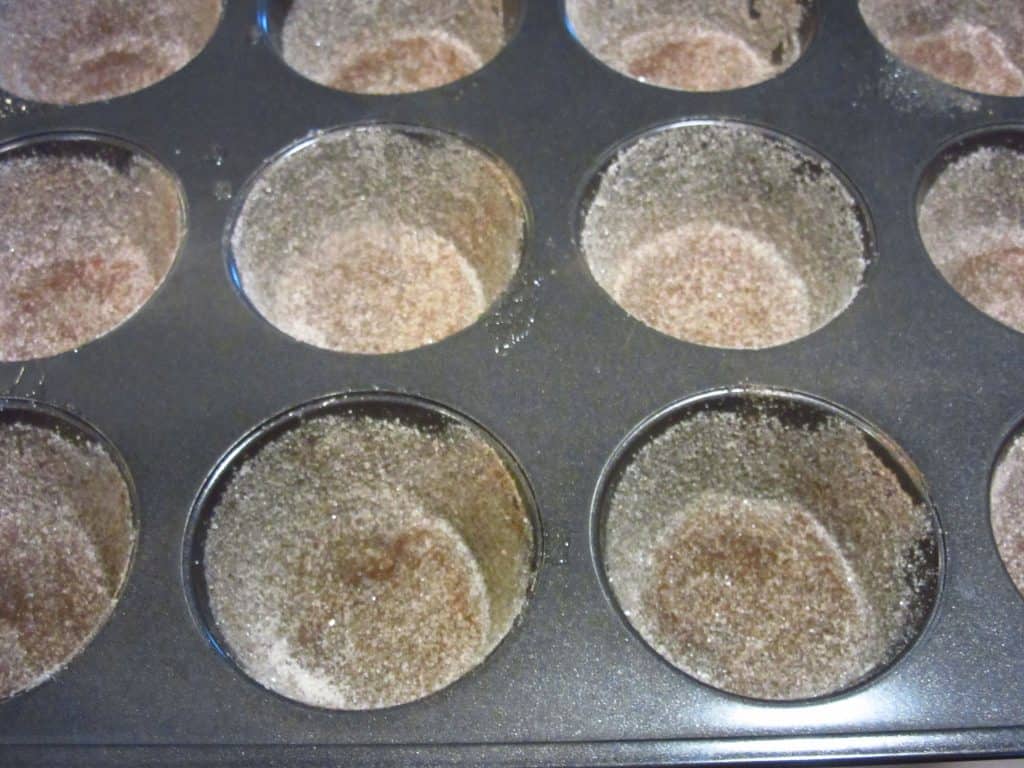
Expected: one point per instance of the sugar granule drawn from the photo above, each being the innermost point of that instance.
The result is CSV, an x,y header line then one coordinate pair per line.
x,y
771,561
89,50
83,244
66,537
357,563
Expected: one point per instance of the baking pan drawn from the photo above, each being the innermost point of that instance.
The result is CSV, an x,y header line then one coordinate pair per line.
x,y
559,375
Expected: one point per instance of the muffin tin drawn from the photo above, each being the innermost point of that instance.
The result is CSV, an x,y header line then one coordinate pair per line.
x,y
559,375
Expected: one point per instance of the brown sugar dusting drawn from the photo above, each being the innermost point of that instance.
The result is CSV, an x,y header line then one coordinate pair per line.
x,y
357,563
391,46
375,289
366,614
1007,500
89,50
977,45
766,559
718,234
971,221
994,282
377,239
716,285
66,536
726,556
693,45
111,287
404,65
700,61
83,245
969,56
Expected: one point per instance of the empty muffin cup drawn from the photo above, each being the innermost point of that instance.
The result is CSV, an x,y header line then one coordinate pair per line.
x,y
977,45
971,219
67,534
378,238
398,46
694,45
1007,508
725,235
362,552
768,544
58,52
89,228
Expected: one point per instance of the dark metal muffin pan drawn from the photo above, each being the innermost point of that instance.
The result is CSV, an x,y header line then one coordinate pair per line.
x,y
560,375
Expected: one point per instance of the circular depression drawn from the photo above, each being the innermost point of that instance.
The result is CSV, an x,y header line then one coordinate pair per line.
x,y
60,52
89,228
67,535
768,544
378,238
1006,501
362,552
970,215
724,234
695,45
977,45
397,47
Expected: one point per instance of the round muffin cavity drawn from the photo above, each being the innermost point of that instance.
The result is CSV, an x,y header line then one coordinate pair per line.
x,y
67,535
768,545
366,556
694,45
393,47
723,235
378,239
61,52
971,219
1007,502
88,231
977,45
